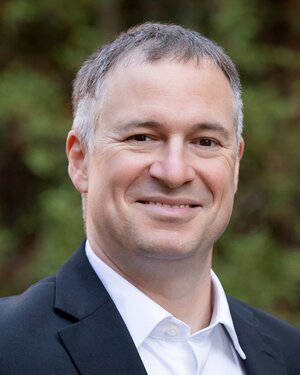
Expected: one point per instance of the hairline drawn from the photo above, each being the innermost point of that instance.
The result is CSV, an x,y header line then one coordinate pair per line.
x,y
149,43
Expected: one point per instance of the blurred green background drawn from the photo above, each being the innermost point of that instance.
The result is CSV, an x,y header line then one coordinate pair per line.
x,y
43,43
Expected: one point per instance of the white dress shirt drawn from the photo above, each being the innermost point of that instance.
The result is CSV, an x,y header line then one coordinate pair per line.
x,y
165,344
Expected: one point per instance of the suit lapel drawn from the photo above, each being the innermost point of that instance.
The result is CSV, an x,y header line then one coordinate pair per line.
x,y
101,344
262,351
97,340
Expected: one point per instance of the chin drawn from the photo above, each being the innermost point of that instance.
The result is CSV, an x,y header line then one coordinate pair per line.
x,y
166,255
166,250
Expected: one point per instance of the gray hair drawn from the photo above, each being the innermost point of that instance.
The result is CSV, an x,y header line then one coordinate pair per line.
x,y
146,43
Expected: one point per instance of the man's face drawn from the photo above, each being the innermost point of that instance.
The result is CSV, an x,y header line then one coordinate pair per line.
x,y
163,171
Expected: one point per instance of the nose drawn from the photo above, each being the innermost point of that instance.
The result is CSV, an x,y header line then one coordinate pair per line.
x,y
172,169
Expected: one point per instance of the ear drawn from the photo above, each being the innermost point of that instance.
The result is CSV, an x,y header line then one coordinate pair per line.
x,y
77,157
241,147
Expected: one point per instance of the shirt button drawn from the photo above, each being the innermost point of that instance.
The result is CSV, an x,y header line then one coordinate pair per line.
x,y
172,331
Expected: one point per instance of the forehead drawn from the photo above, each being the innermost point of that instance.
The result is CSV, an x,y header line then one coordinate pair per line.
x,y
170,89
132,73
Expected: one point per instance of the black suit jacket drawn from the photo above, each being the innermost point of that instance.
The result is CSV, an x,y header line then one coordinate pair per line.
x,y
67,324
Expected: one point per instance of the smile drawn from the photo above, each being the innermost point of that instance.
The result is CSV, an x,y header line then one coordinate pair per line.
x,y
166,205
169,210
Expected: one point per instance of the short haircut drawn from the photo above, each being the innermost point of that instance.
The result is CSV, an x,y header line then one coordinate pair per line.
x,y
146,43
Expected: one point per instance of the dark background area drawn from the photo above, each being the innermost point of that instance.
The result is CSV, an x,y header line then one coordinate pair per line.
x,y
43,43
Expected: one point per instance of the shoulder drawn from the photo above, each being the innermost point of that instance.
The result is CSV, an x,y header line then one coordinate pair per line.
x,y
28,326
37,296
264,319
37,303
32,311
259,331
267,324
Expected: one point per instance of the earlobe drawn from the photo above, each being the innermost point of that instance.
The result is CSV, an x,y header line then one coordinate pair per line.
x,y
77,167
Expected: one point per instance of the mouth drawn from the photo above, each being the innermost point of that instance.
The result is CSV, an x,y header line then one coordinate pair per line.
x,y
168,205
169,210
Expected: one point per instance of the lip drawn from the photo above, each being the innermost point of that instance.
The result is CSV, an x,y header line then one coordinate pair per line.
x,y
169,201
165,208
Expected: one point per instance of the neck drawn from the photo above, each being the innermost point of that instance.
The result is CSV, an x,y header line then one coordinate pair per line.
x,y
181,286
186,295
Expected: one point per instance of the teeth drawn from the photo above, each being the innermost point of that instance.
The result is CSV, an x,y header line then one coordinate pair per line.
x,y
160,204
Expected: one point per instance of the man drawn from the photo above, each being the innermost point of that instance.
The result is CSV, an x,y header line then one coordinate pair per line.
x,y
155,151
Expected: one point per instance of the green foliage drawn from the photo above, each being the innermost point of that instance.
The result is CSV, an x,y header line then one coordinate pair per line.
x,y
42,45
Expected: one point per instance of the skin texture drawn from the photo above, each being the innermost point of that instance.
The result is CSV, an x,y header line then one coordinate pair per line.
x,y
160,180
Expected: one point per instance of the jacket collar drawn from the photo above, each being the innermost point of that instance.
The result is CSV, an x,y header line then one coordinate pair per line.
x,y
263,355
97,340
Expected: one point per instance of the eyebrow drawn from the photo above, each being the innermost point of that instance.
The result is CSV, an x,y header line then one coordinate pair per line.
x,y
206,126
141,124
214,126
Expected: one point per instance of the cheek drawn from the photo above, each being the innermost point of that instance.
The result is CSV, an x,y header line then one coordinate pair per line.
x,y
219,177
116,173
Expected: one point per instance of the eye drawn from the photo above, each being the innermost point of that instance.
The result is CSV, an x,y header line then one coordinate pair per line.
x,y
140,138
206,142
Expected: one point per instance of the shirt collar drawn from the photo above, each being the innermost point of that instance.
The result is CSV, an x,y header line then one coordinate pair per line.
x,y
141,314
221,313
